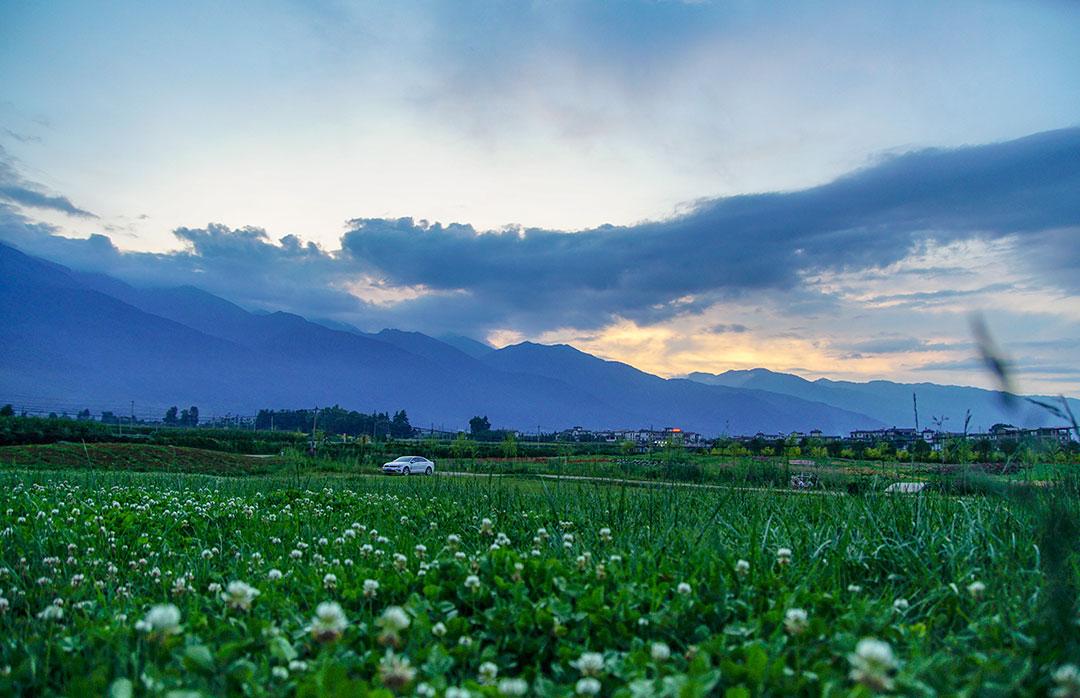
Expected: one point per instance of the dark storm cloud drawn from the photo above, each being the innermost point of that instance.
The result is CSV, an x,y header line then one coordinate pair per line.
x,y
729,248
870,218
17,190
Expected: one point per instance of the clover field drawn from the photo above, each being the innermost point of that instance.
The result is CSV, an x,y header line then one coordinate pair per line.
x,y
182,585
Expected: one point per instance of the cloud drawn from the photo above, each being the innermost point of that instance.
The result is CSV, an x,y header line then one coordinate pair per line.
x,y
732,328
729,246
899,345
452,277
17,190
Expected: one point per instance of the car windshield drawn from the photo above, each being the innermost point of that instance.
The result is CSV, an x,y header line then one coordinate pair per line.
x,y
403,459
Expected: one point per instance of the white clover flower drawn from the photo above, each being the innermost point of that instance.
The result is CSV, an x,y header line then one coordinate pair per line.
x,y
513,687
795,621
273,574
395,672
279,672
453,541
486,527
4,605
371,588
472,582
488,672
977,590
742,568
425,690
660,651
329,622
51,612
854,588
212,587
872,663
163,619
239,595
421,550
439,629
605,535
329,581
394,619
296,554
783,556
400,561
298,665
465,641
1066,681
590,663
456,692
901,605
587,686
684,589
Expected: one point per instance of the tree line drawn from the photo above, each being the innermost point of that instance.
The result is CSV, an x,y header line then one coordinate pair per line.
x,y
337,420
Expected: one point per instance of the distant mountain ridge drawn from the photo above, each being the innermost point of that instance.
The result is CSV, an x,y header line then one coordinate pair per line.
x,y
892,403
93,340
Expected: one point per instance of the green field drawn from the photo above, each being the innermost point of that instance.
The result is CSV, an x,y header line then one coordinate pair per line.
x,y
136,457
972,595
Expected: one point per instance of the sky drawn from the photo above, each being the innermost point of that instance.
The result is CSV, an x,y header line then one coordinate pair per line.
x,y
831,189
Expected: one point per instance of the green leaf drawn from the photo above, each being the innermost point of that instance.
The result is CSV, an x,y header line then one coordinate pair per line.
x,y
438,662
198,658
282,650
122,688
757,660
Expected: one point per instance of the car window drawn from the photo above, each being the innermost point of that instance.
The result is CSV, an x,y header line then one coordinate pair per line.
x,y
403,459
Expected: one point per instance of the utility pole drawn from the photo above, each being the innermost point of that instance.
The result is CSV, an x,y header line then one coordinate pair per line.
x,y
915,401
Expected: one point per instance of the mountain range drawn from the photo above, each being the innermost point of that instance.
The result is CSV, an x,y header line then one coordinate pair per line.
x,y
74,338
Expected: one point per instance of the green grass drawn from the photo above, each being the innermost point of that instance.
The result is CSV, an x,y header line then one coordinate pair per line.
x,y
132,535
136,457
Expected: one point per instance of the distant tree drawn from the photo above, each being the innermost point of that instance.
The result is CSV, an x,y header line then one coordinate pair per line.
x,y
193,416
7,411
108,417
479,426
185,418
399,426
170,416
509,445
84,415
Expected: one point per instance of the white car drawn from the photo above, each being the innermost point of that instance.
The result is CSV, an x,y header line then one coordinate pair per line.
x,y
408,465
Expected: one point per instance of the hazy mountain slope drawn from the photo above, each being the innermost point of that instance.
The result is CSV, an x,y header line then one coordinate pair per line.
x,y
432,349
468,345
66,341
891,402
680,403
